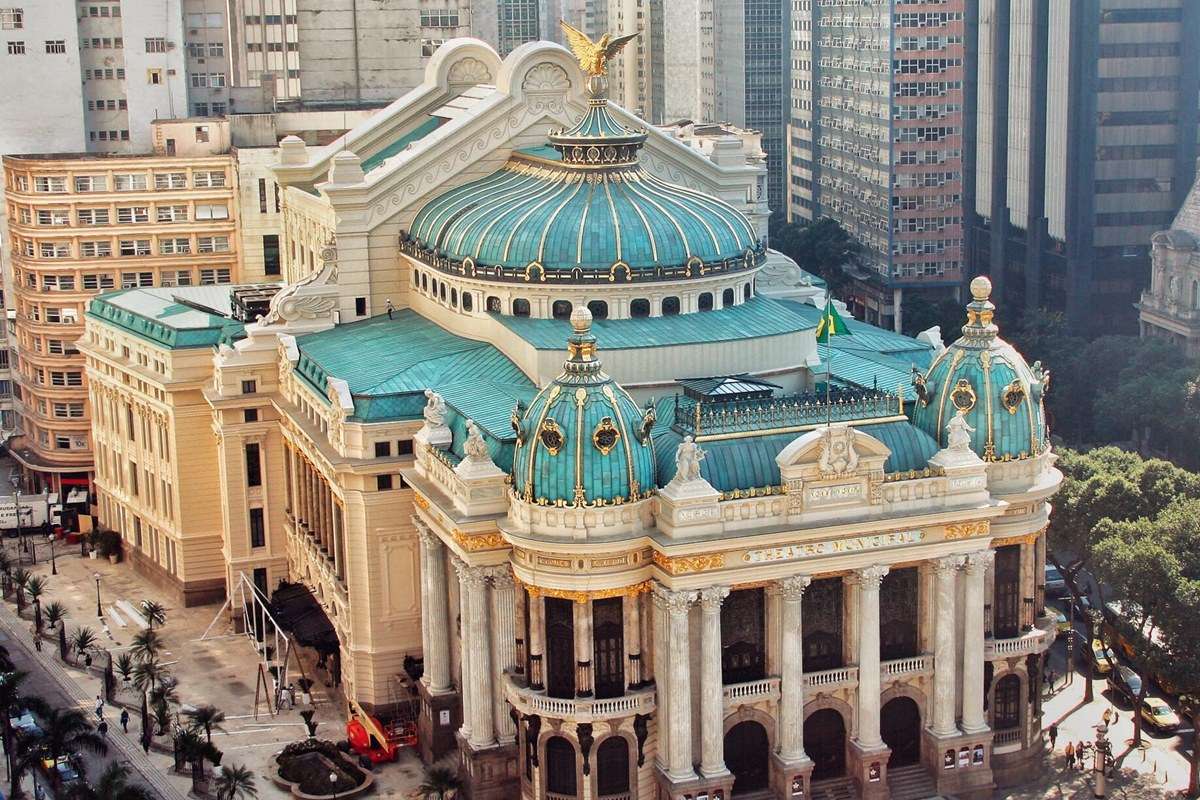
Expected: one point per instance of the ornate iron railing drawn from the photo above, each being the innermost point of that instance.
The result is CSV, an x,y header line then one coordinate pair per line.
x,y
702,417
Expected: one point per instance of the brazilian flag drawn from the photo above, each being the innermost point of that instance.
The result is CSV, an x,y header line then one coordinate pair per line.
x,y
831,324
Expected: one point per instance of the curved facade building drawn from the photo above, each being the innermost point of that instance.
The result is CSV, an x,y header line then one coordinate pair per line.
x,y
550,421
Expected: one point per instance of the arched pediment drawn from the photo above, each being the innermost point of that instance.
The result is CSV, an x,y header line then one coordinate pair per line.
x,y
833,450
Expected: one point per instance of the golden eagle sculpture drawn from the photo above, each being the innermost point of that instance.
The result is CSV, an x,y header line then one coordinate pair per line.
x,y
593,56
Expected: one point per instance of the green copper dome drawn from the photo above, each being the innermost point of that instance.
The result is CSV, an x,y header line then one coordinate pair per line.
x,y
985,379
582,209
582,440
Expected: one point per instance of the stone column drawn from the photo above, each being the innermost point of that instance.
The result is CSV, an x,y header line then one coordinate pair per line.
x,y
678,680
465,651
504,648
301,509
945,649
973,719
712,695
868,656
424,537
658,635
339,552
537,640
791,684
583,648
631,607
480,683
436,611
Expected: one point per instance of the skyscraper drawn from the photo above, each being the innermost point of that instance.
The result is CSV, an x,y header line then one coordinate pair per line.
x,y
1086,146
876,139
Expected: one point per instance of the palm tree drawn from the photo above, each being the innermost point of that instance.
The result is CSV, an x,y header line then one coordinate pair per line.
x,y
208,718
6,567
147,675
35,587
236,782
113,785
68,731
83,641
55,612
11,698
19,578
439,780
154,612
146,645
124,666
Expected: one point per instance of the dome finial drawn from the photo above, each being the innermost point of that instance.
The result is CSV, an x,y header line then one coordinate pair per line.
x,y
981,288
581,345
979,328
581,319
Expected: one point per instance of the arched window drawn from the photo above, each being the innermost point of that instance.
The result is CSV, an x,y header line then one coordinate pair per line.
x,y
442,291
639,308
493,304
454,297
670,306
560,766
599,309
468,301
706,301
520,307
612,767
561,309
425,281
1195,294
416,278
746,292
434,287
1008,703
727,298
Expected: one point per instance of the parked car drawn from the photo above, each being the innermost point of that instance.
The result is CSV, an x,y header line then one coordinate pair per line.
x,y
1060,620
1158,715
25,725
1188,704
1125,682
1103,658
1056,584
64,772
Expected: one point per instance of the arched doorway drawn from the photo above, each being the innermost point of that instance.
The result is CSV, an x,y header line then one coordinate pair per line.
x,y
900,727
560,766
825,743
746,750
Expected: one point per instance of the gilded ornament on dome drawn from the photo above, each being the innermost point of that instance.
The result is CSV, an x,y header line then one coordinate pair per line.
x,y
1013,395
551,436
963,395
593,57
920,387
605,436
649,416
514,419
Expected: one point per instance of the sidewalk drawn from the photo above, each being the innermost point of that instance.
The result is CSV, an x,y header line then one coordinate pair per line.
x,y
220,669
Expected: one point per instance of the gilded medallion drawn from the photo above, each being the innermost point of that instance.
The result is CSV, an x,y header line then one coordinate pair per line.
x,y
1013,395
605,436
963,395
551,436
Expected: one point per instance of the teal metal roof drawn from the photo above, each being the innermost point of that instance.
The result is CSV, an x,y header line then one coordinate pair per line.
x,y
988,381
175,318
581,439
748,462
415,135
389,363
755,318
542,151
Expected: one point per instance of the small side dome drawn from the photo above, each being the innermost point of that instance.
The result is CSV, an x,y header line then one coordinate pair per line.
x,y
983,378
583,441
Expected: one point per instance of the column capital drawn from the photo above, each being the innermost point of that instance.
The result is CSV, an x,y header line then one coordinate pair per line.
x,y
674,602
711,598
792,587
979,561
502,577
870,577
476,577
949,564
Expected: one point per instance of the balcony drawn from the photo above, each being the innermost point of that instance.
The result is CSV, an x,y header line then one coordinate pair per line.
x,y
577,709
1034,641
743,694
831,679
905,667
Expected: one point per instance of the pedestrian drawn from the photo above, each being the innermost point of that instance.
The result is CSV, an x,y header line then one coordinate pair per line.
x,y
1079,754
99,707
38,792
1053,731
103,728
37,643
125,720
1070,754
291,690
390,307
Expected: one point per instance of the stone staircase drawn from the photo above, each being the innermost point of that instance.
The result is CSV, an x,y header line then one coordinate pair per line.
x,y
911,783
834,789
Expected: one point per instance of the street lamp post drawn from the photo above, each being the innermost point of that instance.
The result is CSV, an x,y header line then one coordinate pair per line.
x,y
99,612
16,484
1099,761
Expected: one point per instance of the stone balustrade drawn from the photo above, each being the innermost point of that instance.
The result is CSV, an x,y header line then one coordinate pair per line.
x,y
830,679
738,694
578,709
901,667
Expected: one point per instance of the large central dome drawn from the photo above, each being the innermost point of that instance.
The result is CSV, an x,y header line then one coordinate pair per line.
x,y
583,208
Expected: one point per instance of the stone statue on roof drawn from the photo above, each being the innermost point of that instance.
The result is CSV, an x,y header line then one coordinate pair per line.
x,y
688,456
435,409
959,438
476,448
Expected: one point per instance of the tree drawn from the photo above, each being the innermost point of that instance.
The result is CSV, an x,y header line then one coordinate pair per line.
x,y
124,665
83,641
207,718
1181,635
67,731
20,577
154,612
922,313
55,612
35,587
13,698
235,783
113,785
439,780
147,675
147,645
822,247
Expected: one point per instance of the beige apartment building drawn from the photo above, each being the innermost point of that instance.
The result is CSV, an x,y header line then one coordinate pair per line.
x,y
80,224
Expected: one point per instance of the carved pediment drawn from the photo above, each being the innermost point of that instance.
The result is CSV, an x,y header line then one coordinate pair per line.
x,y
834,465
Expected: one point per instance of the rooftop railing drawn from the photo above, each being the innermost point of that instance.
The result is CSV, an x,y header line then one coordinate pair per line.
x,y
704,417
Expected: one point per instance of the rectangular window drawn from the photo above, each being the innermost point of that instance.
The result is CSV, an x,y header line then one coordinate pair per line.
x,y
12,19
49,183
99,280
62,442
360,306
56,46
212,211
208,179
170,247
133,214
200,110
55,250
253,465
50,216
134,247
154,76
383,482
201,134
383,449
404,447
213,244
132,280
250,415
249,387
156,44
94,250
271,254
181,277
131,182
91,183
213,277
66,378
258,534
92,216
16,48
170,180
171,213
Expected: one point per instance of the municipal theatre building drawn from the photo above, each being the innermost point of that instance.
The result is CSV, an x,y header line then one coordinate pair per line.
x,y
541,418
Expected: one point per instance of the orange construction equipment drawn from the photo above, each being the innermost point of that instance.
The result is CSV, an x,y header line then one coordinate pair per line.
x,y
367,741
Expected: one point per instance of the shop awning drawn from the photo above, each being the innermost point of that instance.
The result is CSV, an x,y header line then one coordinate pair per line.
x,y
300,614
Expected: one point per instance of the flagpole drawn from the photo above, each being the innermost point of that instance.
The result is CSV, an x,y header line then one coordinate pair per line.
x,y
828,381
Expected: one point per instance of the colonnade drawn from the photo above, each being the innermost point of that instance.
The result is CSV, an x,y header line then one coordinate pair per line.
x,y
316,509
